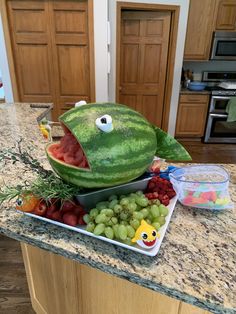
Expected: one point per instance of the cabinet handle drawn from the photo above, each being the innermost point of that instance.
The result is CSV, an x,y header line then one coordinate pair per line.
x,y
194,99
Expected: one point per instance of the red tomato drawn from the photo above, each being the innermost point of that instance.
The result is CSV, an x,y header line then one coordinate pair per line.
x,y
41,208
70,219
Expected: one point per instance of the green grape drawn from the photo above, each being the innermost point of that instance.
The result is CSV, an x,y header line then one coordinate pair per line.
x,y
109,233
155,211
132,207
90,226
157,202
123,215
140,193
156,225
122,196
134,223
138,208
149,216
99,229
124,201
132,195
86,218
113,203
145,212
122,231
163,210
132,199
93,213
130,231
109,223
102,205
124,222
128,241
117,209
115,229
161,220
142,201
114,220
101,218
107,211
112,198
148,221
138,215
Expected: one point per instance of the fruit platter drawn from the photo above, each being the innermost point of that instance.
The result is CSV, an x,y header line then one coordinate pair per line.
x,y
119,219
108,151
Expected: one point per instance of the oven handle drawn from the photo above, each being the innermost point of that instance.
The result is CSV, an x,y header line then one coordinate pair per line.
x,y
217,115
221,97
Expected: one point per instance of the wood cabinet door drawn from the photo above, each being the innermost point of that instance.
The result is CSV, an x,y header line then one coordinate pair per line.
x,y
200,26
226,16
28,21
192,115
143,61
52,42
72,33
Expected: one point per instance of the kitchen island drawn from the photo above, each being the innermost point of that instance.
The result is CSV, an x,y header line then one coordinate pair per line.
x,y
69,272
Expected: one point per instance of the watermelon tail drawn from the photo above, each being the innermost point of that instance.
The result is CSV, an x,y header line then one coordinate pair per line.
x,y
169,148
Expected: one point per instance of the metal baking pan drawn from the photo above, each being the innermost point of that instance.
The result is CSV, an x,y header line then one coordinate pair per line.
x,y
89,200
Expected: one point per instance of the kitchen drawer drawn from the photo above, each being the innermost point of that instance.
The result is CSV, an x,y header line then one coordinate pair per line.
x,y
194,98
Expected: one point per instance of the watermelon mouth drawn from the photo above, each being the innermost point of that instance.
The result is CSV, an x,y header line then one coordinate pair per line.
x,y
69,151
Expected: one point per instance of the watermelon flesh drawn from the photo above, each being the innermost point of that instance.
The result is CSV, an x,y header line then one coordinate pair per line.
x,y
69,151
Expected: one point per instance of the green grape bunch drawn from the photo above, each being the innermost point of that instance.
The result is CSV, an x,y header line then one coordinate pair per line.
x,y
119,217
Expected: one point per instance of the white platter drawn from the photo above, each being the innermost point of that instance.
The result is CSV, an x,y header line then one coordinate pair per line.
x,y
136,248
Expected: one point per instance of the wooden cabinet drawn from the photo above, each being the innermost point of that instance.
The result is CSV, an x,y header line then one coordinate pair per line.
x,y
200,27
226,15
192,115
52,43
62,286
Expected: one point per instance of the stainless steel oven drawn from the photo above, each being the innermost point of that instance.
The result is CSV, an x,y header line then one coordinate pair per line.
x,y
217,128
224,46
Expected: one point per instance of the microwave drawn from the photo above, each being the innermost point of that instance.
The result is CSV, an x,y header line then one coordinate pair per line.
x,y
223,46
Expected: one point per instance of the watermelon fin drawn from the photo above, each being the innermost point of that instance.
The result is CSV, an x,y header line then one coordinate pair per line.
x,y
169,148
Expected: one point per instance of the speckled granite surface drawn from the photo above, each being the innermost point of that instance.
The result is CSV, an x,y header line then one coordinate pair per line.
x,y
188,91
197,259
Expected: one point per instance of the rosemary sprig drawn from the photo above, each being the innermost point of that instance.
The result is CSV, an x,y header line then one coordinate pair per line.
x,y
53,187
47,185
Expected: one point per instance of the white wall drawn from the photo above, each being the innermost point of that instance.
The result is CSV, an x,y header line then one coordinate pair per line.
x,y
100,11
183,17
6,79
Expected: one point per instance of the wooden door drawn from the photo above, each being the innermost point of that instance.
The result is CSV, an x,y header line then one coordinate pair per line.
x,y
226,16
52,44
72,52
28,22
200,28
144,41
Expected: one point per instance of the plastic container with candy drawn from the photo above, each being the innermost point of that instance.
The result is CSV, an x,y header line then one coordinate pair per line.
x,y
204,186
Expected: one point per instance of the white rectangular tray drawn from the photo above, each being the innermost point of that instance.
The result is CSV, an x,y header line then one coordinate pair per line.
x,y
136,248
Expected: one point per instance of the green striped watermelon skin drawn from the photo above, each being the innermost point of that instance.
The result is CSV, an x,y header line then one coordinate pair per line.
x,y
114,158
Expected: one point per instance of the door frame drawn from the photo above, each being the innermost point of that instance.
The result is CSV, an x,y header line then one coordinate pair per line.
x,y
174,9
10,54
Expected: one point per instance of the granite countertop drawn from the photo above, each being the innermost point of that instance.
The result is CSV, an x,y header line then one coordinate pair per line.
x,y
188,91
197,259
